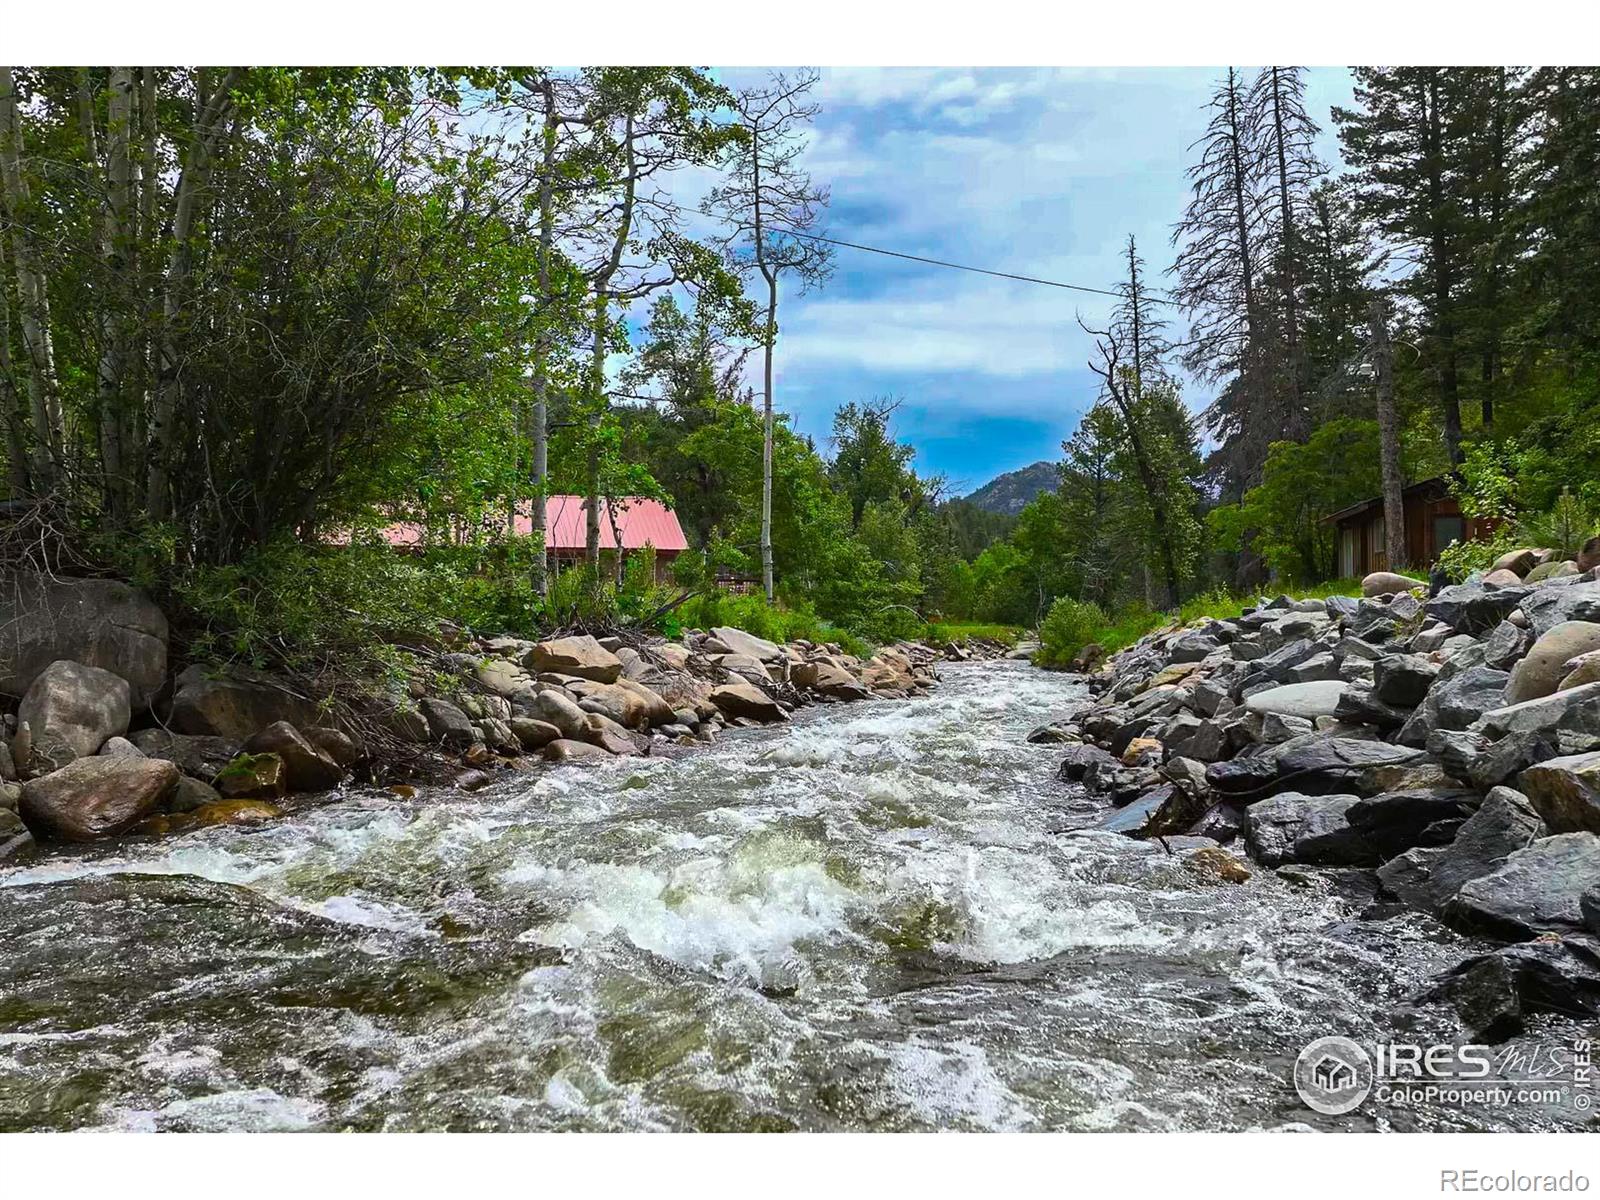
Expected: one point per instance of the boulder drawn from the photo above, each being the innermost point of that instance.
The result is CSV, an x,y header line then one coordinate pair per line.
x,y
747,665
97,622
745,700
1403,679
501,677
1544,667
1589,556
235,703
1474,607
739,642
71,710
613,738
830,679
1493,992
1558,600
565,750
1393,822
1318,764
562,711
1359,706
1576,710
1565,792
1191,647
1502,578
1387,583
1551,570
336,744
580,656
1581,670
96,797
1518,562
1308,700
533,734
447,723
1535,890
252,775
195,755
120,747
1077,760
191,794
1294,827
1428,878
306,768
1506,645
621,704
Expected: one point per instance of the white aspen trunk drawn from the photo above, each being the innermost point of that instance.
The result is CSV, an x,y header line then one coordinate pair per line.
x,y
766,444
541,379
597,383
117,253
210,109
33,302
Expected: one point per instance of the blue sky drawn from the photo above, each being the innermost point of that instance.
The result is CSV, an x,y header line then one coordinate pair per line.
x,y
1038,172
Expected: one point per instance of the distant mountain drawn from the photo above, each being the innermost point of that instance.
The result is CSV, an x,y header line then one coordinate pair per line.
x,y
1010,493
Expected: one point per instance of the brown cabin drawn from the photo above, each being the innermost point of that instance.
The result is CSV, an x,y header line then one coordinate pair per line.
x,y
1433,521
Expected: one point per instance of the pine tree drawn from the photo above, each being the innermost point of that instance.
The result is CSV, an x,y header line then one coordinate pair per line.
x,y
1405,140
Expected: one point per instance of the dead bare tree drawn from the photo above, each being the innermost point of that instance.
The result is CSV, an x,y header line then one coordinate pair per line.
x,y
769,205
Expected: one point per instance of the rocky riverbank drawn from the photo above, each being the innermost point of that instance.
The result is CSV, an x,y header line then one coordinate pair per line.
x,y
1436,751
101,740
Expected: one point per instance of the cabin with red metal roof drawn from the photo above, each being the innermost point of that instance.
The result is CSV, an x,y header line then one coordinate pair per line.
x,y
634,521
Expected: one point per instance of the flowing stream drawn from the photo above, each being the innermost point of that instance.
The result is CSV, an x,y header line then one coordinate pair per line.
x,y
879,916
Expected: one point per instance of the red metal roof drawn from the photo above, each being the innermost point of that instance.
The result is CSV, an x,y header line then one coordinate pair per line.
x,y
641,522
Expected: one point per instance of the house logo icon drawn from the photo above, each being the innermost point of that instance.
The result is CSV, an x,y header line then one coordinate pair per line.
x,y
1333,1075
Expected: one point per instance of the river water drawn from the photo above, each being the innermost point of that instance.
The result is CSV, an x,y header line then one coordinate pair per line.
x,y
881,916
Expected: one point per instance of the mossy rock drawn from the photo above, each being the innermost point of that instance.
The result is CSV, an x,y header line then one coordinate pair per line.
x,y
252,775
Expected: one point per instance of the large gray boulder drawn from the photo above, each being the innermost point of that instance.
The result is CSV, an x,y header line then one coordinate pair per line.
x,y
307,768
1475,607
746,700
1429,877
1387,583
1394,822
96,797
70,711
581,656
1536,890
1309,700
1575,710
562,711
1543,668
98,622
739,642
1559,600
196,755
235,702
1294,827
1316,763
1566,792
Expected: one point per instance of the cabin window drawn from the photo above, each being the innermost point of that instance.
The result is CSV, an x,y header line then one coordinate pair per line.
x,y
1447,531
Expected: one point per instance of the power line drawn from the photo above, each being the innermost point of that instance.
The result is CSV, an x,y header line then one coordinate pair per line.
x,y
939,262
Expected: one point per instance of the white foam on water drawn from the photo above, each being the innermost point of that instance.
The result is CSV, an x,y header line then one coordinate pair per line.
x,y
953,1083
736,916
255,1110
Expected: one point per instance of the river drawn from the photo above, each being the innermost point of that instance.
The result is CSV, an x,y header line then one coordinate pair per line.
x,y
881,916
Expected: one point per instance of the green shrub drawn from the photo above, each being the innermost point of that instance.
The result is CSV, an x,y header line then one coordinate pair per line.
x,y
1069,626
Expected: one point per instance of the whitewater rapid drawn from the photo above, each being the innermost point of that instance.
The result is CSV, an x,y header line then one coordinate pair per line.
x,y
885,915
